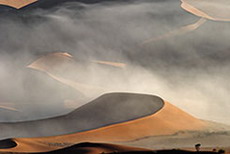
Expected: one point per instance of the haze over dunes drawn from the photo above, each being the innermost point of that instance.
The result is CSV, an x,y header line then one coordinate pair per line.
x,y
99,32
16,3
78,73
114,59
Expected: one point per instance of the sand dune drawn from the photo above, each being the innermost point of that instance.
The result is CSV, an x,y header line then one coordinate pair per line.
x,y
16,3
79,74
109,108
100,148
211,9
105,148
155,121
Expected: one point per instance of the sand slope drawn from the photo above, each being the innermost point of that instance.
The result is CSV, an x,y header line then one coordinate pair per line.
x,y
16,3
167,120
211,9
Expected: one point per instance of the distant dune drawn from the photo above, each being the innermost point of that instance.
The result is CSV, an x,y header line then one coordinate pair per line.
x,y
21,5
16,3
210,9
77,73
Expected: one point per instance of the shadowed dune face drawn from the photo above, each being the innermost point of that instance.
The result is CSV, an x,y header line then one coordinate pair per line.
x,y
211,9
16,3
163,120
106,110
8,143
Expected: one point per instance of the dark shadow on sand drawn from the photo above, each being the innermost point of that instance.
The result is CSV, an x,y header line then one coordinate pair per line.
x,y
7,143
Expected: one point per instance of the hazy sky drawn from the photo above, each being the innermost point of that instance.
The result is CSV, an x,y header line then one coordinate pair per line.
x,y
189,70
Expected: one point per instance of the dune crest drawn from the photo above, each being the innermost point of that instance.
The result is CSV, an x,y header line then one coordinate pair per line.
x,y
217,10
17,3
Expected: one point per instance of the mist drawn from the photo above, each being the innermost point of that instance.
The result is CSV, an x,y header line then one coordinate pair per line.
x,y
189,70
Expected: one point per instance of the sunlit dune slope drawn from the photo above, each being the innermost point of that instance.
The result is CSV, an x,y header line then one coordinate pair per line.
x,y
210,9
77,73
16,3
160,120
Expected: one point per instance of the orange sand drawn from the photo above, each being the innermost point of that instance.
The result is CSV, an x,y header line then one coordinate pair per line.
x,y
16,3
167,121
217,10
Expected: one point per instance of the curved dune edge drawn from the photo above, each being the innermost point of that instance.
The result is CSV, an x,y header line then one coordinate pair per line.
x,y
54,64
17,3
196,9
167,121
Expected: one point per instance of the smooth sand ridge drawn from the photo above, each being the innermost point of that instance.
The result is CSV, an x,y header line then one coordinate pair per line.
x,y
218,10
106,110
166,121
77,74
17,3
